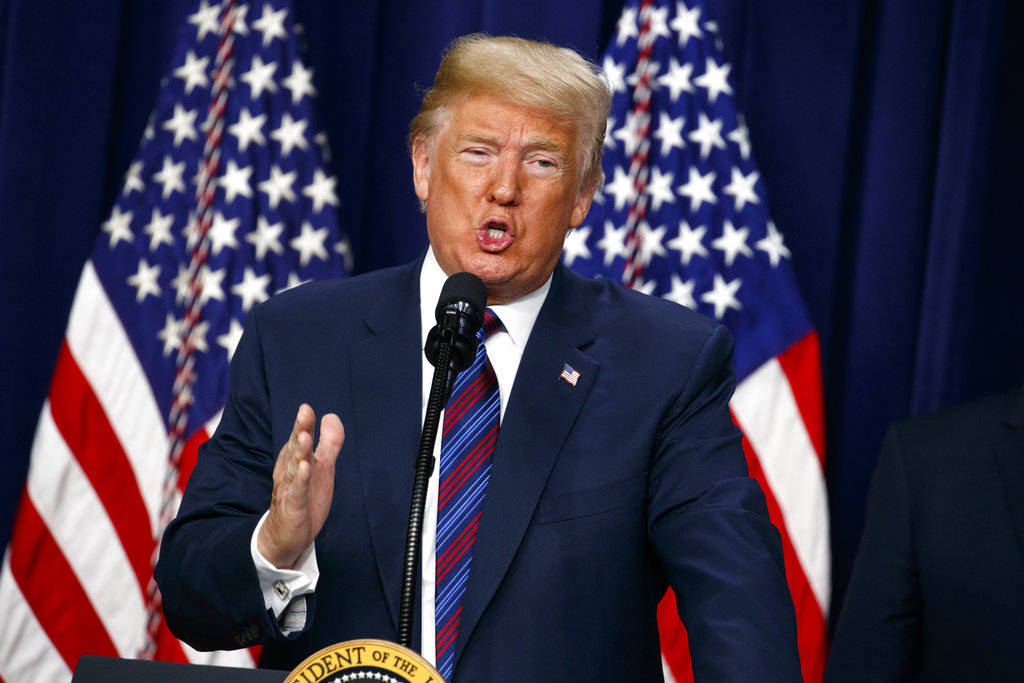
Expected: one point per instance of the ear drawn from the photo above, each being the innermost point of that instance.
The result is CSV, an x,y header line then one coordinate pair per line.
x,y
421,167
582,206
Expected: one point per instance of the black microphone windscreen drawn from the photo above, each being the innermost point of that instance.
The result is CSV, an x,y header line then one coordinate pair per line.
x,y
465,288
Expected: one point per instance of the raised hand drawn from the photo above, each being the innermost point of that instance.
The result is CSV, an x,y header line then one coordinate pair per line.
x,y
303,488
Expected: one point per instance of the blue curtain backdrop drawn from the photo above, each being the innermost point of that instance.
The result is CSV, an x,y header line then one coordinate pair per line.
x,y
888,134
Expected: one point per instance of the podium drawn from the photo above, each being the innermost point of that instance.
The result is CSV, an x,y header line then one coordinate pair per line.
x,y
92,669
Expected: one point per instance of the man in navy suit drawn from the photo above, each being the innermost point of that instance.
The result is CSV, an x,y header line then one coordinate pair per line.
x,y
937,592
603,490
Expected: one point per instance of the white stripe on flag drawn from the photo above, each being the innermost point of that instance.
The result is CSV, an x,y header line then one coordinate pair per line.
x,y
78,522
667,672
211,426
768,414
106,357
26,653
236,658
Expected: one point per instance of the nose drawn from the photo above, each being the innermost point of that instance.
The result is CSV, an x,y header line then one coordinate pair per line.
x,y
505,188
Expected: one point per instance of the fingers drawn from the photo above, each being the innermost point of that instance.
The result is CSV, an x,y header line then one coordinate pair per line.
x,y
332,436
303,487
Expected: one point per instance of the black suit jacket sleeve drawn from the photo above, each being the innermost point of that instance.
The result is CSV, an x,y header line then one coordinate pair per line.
x,y
879,633
709,525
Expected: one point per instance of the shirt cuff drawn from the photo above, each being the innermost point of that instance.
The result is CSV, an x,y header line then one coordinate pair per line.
x,y
283,589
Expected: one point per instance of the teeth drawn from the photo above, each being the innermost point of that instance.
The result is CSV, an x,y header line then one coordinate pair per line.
x,y
495,233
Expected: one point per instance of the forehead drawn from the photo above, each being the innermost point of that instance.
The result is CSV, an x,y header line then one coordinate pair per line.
x,y
490,117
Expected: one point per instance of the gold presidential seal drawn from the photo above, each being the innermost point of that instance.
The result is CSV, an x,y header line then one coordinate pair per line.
x,y
369,660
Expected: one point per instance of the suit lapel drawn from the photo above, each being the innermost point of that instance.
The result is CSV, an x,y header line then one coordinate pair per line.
x,y
386,386
542,408
1009,454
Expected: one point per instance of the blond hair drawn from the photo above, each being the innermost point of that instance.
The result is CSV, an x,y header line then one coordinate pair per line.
x,y
554,81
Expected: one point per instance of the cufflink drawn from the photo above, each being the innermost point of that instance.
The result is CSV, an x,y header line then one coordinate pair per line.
x,y
281,590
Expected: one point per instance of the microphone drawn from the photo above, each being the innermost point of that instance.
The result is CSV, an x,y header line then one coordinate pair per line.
x,y
451,348
459,314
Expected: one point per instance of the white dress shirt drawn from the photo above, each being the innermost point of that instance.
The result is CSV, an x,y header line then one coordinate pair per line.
x,y
284,589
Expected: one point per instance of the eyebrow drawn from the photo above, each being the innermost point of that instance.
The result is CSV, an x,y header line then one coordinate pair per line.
x,y
539,144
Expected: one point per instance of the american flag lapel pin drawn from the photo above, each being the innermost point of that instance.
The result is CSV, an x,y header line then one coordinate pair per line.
x,y
569,375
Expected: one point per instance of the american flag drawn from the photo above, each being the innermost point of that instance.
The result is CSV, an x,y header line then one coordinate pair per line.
x,y
227,202
684,215
569,375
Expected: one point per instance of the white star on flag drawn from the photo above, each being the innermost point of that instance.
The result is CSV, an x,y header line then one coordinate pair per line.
x,y
235,181
613,243
278,186
741,188
698,188
229,340
145,280
723,295
159,229
686,23
133,179
708,135
182,124
321,190
659,188
732,242
310,243
614,74
222,233
576,245
118,226
689,243
621,188
291,134
271,24
260,77
266,238
682,292
248,129
715,79
772,245
669,132
252,289
193,72
300,81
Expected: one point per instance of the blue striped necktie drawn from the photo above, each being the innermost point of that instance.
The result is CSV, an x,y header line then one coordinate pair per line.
x,y
467,442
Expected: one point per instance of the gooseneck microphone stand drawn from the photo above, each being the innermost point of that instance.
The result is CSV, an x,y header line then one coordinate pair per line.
x,y
459,315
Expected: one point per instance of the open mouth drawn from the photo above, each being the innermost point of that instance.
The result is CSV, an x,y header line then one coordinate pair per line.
x,y
494,236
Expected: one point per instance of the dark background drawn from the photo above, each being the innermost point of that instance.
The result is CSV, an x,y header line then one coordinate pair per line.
x,y
889,135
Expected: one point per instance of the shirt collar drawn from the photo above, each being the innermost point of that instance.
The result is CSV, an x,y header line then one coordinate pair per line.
x,y
517,316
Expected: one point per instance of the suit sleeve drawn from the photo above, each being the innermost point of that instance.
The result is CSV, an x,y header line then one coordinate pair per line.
x,y
709,525
879,633
209,584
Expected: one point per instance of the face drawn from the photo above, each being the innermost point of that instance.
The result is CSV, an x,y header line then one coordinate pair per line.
x,y
499,182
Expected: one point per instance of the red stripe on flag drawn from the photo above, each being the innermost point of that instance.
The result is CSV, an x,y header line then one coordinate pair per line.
x,y
810,622
52,591
189,456
675,644
801,364
83,424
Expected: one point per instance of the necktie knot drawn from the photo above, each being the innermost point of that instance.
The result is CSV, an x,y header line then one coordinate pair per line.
x,y
491,324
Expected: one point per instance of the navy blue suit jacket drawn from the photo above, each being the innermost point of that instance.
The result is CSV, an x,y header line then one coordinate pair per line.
x,y
937,592
601,494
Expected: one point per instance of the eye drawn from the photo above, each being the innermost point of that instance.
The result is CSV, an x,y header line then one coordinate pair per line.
x,y
475,155
545,165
